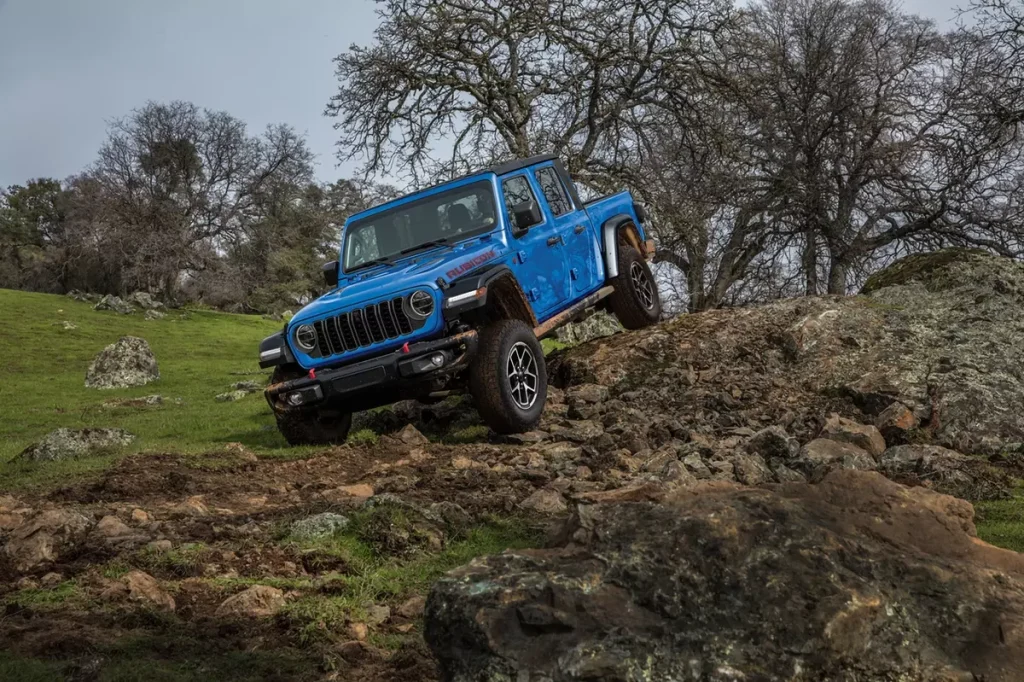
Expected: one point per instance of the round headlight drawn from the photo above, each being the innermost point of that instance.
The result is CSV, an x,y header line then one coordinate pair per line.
x,y
420,304
305,336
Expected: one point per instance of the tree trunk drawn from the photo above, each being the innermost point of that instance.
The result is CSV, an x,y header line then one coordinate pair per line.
x,y
837,278
810,264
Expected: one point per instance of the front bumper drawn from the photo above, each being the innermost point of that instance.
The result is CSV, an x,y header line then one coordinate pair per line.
x,y
414,363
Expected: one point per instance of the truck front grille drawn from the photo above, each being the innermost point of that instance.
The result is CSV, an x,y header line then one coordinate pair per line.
x,y
362,327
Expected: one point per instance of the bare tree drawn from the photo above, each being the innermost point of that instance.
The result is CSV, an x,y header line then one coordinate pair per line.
x,y
452,84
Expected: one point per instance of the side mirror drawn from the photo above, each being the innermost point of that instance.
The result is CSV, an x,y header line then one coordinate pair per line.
x,y
527,214
331,273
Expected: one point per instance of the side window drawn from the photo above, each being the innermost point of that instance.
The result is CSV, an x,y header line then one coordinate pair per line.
x,y
553,190
516,190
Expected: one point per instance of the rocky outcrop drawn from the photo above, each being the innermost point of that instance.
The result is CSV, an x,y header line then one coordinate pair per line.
x,y
115,304
62,444
855,578
942,335
128,362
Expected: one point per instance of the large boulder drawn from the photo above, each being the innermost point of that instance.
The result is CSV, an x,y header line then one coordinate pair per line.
x,y
44,538
128,362
855,579
144,300
942,334
61,444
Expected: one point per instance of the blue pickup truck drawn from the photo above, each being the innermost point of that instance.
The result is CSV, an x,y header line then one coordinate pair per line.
x,y
451,289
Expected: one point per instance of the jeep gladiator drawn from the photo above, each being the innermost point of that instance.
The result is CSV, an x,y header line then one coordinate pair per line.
x,y
451,289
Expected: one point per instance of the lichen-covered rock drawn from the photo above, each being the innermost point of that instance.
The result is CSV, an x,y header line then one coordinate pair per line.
x,y
597,326
942,334
128,362
856,578
822,455
144,589
151,315
319,525
895,423
230,396
144,300
114,303
61,444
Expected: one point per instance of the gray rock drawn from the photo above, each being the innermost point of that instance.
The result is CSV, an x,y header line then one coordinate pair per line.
x,y
64,443
144,300
545,501
230,396
154,315
896,422
632,592
319,525
114,303
247,386
821,456
751,469
128,362
696,466
587,393
773,442
597,326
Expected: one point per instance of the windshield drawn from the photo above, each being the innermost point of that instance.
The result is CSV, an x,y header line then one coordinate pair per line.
x,y
445,217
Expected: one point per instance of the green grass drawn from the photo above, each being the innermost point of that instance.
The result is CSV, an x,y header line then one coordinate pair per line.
x,y
374,579
1001,522
550,345
42,379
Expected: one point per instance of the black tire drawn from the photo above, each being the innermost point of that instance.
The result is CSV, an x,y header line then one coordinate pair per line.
x,y
634,305
310,426
504,399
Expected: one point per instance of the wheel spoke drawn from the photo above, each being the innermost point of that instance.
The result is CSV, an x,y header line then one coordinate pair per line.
x,y
521,373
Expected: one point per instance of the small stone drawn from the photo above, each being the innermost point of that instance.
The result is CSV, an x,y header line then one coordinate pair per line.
x,y
587,393
461,463
405,628
247,386
583,472
193,506
410,435
159,545
773,442
412,607
112,527
528,438
895,423
151,315
51,580
545,501
352,650
358,631
696,466
751,469
358,490
822,455
377,614
867,438
144,588
676,474
258,601
140,516
643,492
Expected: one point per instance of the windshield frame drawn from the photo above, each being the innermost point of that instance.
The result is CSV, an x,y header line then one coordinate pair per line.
x,y
429,196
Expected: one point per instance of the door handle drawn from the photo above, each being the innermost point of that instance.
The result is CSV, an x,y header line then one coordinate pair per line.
x,y
579,229
553,241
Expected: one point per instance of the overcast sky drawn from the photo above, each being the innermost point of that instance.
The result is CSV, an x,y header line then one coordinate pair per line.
x,y
69,66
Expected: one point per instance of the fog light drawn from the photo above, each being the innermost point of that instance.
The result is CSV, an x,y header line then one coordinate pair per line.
x,y
437,359
294,399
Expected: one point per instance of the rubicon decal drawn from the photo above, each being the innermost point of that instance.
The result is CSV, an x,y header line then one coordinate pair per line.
x,y
470,264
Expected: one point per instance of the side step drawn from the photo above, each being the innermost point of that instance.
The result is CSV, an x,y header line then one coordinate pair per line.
x,y
570,313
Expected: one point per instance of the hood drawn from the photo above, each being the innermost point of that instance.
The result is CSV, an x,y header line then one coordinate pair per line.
x,y
380,281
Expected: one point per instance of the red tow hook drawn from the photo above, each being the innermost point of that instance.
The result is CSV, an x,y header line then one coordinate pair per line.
x,y
312,374
405,347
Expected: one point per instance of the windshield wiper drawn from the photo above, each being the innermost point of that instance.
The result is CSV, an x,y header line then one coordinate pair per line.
x,y
433,242
383,260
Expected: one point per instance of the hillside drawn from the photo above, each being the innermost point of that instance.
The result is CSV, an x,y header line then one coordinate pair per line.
x,y
208,550
200,355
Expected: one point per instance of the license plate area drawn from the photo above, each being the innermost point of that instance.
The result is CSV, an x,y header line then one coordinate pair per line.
x,y
354,382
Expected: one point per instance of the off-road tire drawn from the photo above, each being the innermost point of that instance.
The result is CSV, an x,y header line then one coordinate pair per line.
x,y
312,425
499,398
634,307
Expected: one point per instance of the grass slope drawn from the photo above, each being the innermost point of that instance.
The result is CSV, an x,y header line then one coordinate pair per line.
x,y
200,354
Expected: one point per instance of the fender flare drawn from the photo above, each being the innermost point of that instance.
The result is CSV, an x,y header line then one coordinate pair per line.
x,y
609,232
472,282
